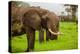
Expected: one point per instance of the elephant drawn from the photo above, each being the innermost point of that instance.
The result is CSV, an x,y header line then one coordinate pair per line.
x,y
43,15
32,21
42,12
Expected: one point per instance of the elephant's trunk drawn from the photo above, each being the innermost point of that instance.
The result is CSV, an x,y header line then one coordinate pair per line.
x,y
54,33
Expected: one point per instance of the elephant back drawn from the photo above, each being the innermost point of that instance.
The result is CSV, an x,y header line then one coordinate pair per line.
x,y
32,19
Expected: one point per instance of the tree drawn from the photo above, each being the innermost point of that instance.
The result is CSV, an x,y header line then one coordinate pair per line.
x,y
73,10
62,16
62,13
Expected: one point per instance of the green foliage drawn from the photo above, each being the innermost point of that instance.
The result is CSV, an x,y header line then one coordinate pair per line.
x,y
67,41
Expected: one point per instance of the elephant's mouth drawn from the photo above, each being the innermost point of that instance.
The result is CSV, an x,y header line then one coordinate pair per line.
x,y
54,33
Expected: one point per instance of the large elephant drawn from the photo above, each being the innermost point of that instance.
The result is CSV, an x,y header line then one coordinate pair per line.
x,y
32,20
44,15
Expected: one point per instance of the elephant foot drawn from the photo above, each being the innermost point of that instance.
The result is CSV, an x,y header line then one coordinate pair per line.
x,y
29,50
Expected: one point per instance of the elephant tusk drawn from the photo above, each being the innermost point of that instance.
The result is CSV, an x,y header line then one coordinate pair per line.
x,y
54,32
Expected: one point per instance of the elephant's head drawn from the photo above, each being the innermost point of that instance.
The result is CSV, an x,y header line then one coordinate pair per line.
x,y
16,26
16,17
52,23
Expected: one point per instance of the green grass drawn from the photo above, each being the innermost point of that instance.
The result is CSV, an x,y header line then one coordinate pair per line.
x,y
67,41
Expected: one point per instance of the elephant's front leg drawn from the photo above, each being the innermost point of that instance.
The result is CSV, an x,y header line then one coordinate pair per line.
x,y
30,39
41,35
48,35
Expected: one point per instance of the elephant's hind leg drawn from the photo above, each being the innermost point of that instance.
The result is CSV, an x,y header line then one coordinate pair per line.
x,y
41,35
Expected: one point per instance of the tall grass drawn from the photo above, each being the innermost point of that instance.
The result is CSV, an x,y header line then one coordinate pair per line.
x,y
67,41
